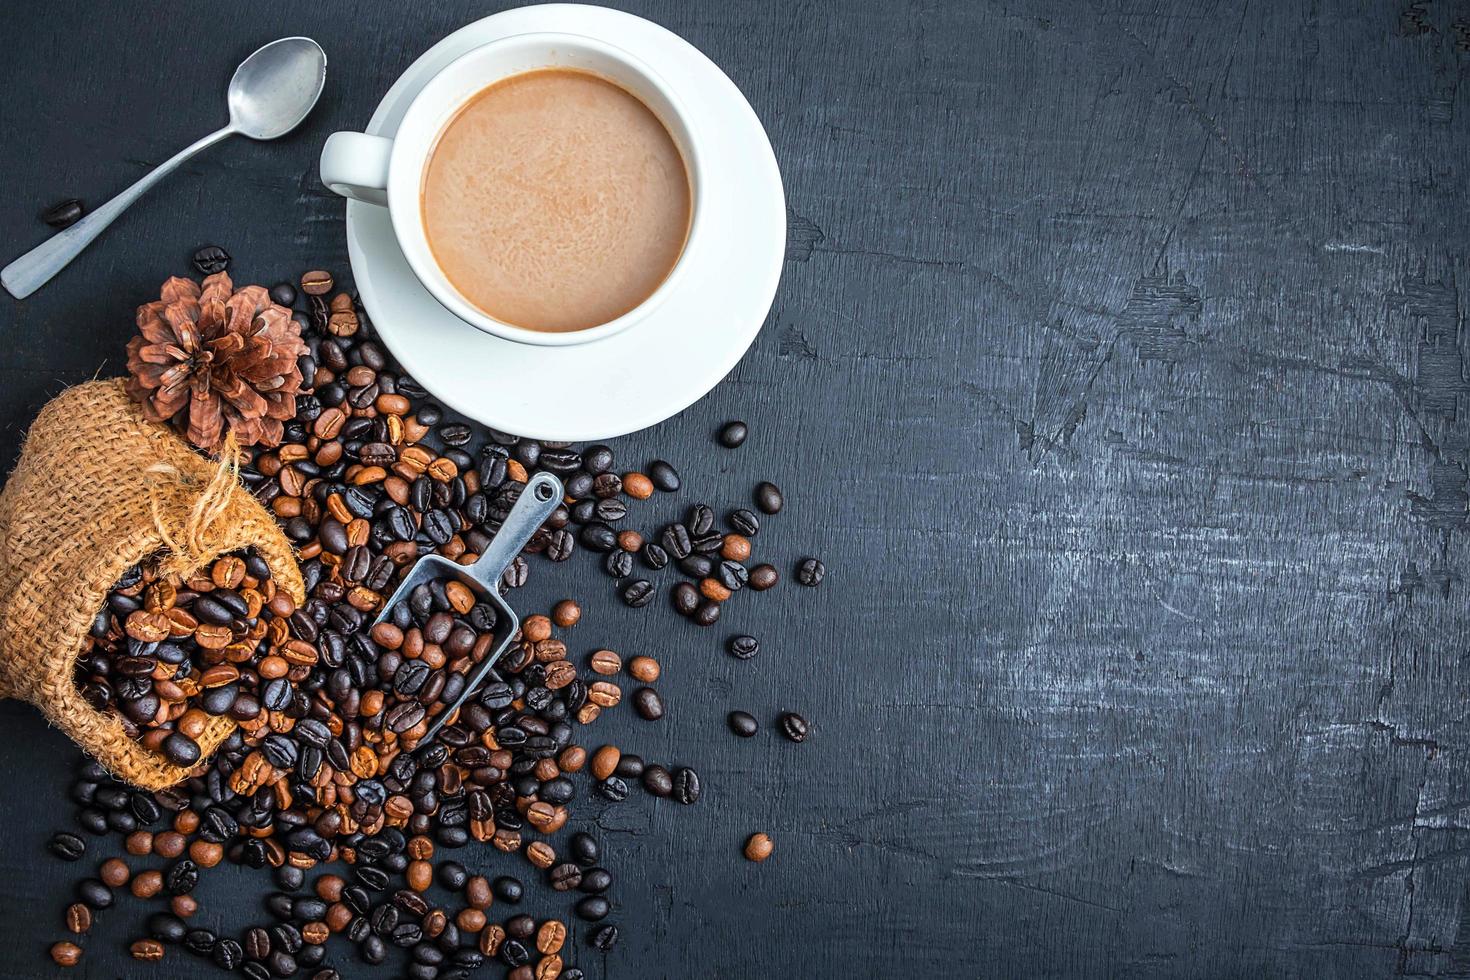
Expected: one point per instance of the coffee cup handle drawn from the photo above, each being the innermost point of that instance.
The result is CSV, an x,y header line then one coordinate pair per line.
x,y
355,165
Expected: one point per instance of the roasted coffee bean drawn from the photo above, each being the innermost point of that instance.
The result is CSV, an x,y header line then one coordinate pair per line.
x,y
648,704
742,723
654,556
618,564
745,522
68,847
595,881
63,214
612,788
316,283
762,577
593,908
793,726
758,847
686,598
707,614
638,593
768,498
565,877
697,566
810,572
94,893
583,849
598,536
664,476
167,927
644,669
78,918
227,954
732,575
508,889
686,785
211,259
181,877
676,540
657,781
66,954
732,434
743,647
700,520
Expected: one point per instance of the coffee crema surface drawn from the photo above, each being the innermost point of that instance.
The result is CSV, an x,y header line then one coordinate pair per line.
x,y
555,200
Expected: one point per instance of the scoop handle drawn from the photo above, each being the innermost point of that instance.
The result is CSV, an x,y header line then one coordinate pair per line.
x,y
542,494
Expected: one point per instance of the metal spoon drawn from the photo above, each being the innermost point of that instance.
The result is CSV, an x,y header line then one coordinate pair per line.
x,y
272,91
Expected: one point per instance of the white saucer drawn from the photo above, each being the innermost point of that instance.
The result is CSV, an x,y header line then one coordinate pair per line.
x,y
645,374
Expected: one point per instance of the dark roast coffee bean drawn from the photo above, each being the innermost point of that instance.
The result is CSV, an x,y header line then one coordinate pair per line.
x,y
211,259
514,953
630,766
595,881
742,723
227,954
744,522
283,294
167,927
200,942
619,564
94,893
664,476
657,781
452,875
732,575
598,537
743,647
604,938
638,593
810,572
707,614
592,908
675,540
181,877
508,889
68,847
686,598
612,788
181,750
565,877
733,434
654,556
697,566
768,498
686,785
700,520
583,849
597,459
763,577
63,214
648,704
793,726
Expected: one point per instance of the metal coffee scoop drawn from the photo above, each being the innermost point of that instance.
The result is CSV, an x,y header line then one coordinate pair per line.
x,y
541,495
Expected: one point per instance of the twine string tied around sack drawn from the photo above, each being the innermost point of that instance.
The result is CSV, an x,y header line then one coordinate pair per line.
x,y
186,541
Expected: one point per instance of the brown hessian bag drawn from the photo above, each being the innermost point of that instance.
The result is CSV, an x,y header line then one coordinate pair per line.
x,y
98,489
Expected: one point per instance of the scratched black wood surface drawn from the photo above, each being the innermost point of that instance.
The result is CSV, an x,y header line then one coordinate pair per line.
x,y
1117,372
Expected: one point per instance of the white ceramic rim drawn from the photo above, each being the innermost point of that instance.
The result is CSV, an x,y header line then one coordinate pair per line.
x,y
446,93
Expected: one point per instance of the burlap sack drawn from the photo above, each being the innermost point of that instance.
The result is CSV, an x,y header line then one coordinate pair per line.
x,y
99,488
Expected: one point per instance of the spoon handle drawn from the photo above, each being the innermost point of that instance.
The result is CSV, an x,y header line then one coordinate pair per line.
x,y
35,268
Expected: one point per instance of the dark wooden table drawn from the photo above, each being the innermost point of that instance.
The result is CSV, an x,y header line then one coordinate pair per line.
x,y
1118,373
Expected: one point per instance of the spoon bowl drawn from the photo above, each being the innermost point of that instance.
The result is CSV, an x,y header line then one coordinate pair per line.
x,y
275,88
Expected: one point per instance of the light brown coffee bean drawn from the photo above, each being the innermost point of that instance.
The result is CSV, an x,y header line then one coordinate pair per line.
x,y
169,844
139,843
566,613
604,694
470,920
736,547
605,760
315,933
541,854
420,875
114,872
477,892
78,918
630,540
587,714
560,673
536,628
637,486
183,905
491,938
759,847
66,954
316,283
550,937
549,968
572,759
645,669
605,662
146,884
147,950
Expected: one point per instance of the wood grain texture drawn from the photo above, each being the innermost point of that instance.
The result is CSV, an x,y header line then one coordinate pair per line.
x,y
1118,374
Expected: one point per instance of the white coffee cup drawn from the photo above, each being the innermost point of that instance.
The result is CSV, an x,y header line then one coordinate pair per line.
x,y
389,172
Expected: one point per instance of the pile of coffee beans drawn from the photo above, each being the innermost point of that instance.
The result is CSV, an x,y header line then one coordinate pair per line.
x,y
329,766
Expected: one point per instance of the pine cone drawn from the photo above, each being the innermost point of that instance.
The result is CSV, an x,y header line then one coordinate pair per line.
x,y
215,359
